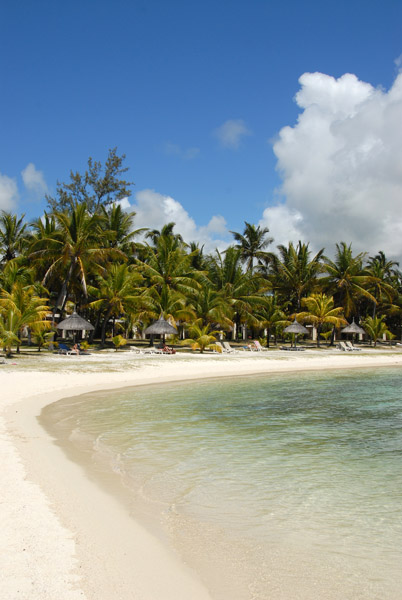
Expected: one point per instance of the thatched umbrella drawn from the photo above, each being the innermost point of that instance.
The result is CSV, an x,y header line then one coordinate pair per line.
x,y
353,328
75,323
161,327
295,328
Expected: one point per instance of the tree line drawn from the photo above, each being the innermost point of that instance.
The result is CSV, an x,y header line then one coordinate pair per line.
x,y
85,252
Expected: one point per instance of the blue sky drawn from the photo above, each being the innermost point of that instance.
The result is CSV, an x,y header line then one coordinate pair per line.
x,y
196,94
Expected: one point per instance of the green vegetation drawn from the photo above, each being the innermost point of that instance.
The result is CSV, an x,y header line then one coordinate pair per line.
x,y
85,252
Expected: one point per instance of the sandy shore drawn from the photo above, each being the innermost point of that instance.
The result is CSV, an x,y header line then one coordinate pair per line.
x,y
63,537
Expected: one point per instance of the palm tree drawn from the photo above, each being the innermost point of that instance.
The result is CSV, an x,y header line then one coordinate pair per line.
x,y
252,243
270,316
346,279
12,235
242,290
167,265
117,292
320,310
117,226
167,231
294,274
377,328
382,272
20,308
210,306
73,248
201,337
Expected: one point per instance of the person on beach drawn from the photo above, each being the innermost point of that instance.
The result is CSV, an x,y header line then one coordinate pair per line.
x,y
168,350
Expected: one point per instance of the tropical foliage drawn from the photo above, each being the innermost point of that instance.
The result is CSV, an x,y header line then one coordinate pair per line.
x,y
86,252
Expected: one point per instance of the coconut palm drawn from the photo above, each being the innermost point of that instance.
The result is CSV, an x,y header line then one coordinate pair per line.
x,y
242,290
252,243
201,337
20,308
117,226
270,316
376,328
320,311
210,306
167,231
73,249
168,265
382,273
118,291
294,274
346,279
12,235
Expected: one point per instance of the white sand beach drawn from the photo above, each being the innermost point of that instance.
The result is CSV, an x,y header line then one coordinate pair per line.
x,y
63,536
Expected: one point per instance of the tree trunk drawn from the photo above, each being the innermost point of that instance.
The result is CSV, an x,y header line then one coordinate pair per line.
x,y
104,325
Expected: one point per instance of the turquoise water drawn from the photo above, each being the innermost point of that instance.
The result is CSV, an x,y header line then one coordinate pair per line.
x,y
287,486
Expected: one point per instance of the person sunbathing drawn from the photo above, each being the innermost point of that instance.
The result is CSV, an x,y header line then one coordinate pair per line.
x,y
168,350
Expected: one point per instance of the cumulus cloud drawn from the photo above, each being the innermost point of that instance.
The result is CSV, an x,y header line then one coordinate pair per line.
x,y
153,210
341,166
8,193
34,180
231,133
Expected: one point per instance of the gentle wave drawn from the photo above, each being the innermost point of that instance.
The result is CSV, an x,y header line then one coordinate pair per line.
x,y
300,473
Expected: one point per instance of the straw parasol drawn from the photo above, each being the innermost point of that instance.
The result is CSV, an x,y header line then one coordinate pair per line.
x,y
161,327
353,328
75,323
295,328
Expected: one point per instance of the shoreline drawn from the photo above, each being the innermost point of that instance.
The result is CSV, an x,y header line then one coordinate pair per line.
x,y
57,540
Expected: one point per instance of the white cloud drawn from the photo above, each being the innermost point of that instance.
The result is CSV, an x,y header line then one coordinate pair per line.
x,y
176,150
153,210
283,224
8,193
34,180
231,133
341,166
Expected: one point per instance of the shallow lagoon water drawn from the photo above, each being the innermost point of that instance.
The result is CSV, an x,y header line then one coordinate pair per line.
x,y
280,486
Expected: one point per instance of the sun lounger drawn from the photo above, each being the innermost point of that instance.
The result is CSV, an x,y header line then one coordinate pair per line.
x,y
351,346
136,350
258,346
342,346
228,348
293,348
250,348
153,350
63,348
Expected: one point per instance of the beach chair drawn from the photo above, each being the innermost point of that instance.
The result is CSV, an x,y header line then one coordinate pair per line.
x,y
351,346
217,347
136,350
153,350
228,348
258,346
249,348
63,348
342,346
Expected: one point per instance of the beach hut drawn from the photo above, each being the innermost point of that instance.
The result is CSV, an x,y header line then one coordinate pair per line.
x,y
295,328
161,327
